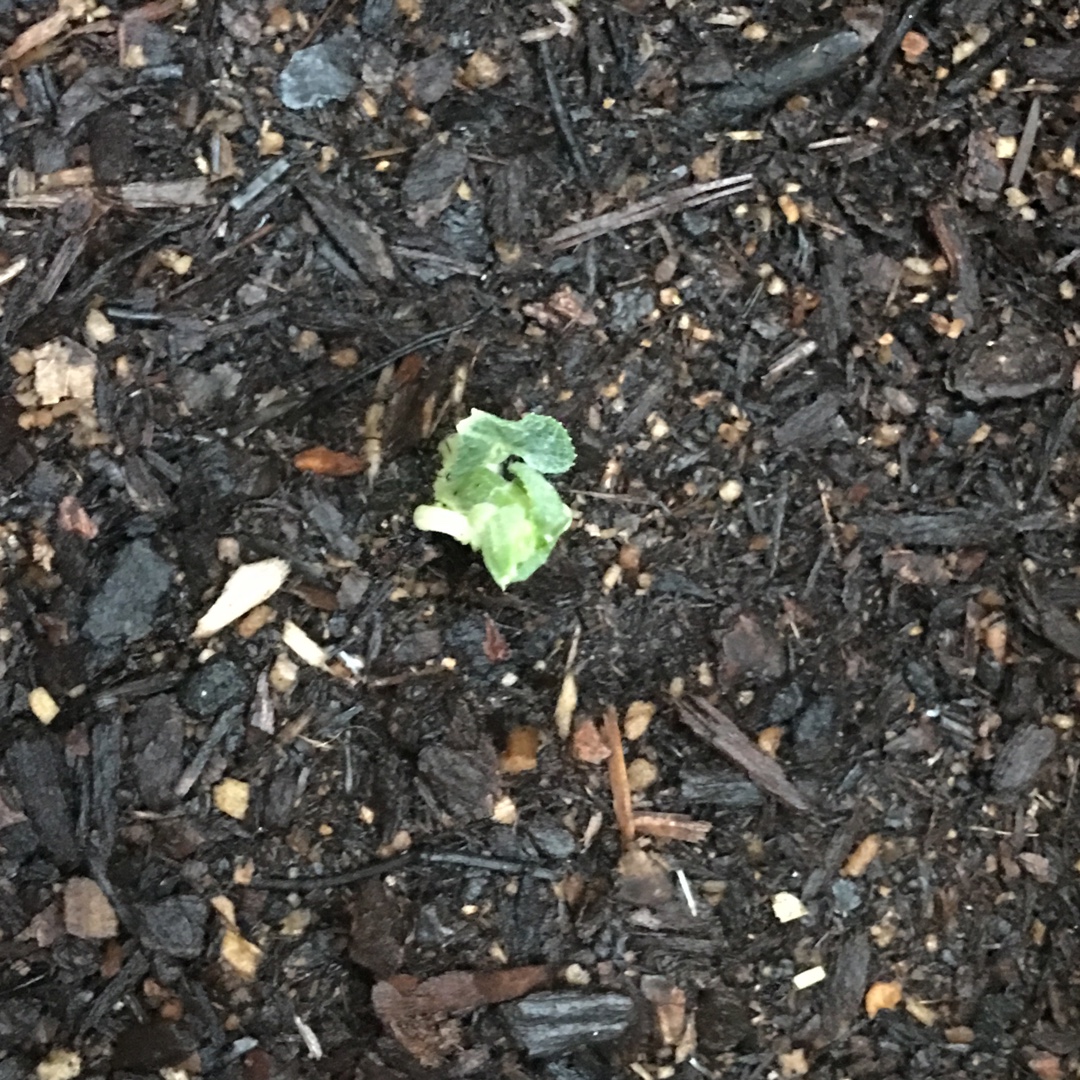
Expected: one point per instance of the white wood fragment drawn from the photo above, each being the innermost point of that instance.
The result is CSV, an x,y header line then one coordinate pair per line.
x,y
248,587
305,647
787,907
810,977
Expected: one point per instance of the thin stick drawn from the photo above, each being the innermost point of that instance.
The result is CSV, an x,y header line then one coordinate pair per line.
x,y
562,117
667,202
620,783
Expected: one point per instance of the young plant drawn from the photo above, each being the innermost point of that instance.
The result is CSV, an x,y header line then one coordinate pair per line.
x,y
505,510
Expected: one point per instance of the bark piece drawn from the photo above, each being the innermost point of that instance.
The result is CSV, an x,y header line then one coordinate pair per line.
x,y
556,1022
1014,362
37,768
1021,759
710,724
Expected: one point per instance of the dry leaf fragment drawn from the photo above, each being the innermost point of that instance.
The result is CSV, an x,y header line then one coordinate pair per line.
x,y
882,995
862,856
239,953
326,462
87,911
522,745
232,797
247,587
588,744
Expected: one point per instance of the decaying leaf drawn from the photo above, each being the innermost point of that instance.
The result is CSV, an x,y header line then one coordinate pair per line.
x,y
248,587
882,995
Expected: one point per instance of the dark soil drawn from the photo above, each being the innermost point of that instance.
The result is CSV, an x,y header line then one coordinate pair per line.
x,y
826,484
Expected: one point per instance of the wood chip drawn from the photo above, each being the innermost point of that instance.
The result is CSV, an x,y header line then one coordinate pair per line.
x,y
231,797
787,907
522,745
588,744
810,977
620,784
882,995
666,826
307,649
862,856
87,911
33,37
43,705
638,716
239,954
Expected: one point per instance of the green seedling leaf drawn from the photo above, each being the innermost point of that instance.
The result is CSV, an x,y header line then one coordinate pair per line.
x,y
512,516
540,441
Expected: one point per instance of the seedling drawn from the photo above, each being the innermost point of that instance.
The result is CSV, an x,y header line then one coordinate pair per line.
x,y
505,510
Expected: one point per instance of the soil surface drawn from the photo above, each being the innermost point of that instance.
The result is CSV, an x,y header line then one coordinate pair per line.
x,y
770,770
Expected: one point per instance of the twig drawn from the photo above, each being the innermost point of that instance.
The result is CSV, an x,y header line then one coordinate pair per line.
x,y
667,202
620,782
884,55
1026,144
562,117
